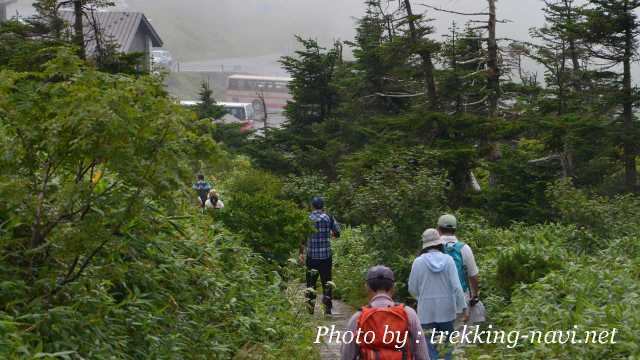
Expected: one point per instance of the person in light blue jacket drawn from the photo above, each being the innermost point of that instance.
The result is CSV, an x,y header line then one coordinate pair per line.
x,y
435,284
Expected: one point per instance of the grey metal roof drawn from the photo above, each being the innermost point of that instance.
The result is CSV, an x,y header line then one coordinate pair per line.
x,y
119,26
3,8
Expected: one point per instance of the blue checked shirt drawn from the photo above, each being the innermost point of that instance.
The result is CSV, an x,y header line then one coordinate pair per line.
x,y
319,245
202,188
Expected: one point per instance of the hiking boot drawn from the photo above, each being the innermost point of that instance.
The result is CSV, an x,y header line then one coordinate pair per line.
x,y
310,308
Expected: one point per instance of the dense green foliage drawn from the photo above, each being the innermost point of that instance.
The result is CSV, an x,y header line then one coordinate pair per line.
x,y
102,251
541,176
272,226
197,295
537,278
207,108
103,255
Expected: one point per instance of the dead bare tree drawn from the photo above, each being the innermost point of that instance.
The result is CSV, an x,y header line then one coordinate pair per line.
x,y
79,12
263,108
78,28
425,56
493,70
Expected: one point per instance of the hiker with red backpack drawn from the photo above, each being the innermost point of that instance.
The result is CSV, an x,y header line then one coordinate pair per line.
x,y
434,283
465,262
397,330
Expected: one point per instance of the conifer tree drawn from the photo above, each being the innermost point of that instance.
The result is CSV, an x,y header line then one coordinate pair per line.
x,y
463,87
418,30
561,51
314,96
207,108
611,32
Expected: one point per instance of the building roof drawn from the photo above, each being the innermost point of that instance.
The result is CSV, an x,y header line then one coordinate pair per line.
x,y
228,104
3,8
119,26
260,78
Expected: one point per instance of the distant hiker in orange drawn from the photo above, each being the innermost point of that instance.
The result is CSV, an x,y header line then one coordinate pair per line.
x,y
382,316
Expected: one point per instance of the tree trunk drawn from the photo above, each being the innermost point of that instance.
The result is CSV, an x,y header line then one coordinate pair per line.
x,y
573,48
454,67
573,53
493,76
78,28
561,77
265,124
576,78
629,156
425,55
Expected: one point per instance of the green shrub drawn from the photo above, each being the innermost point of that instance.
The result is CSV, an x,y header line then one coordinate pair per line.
x,y
554,284
247,180
100,257
593,294
201,296
525,264
491,245
255,208
602,215
272,227
517,192
301,189
396,191
352,257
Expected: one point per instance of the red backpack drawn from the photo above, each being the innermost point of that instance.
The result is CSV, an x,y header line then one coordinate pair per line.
x,y
395,319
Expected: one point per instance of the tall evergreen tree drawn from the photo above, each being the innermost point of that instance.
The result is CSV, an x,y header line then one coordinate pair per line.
x,y
314,96
380,66
418,30
207,108
611,32
561,51
463,87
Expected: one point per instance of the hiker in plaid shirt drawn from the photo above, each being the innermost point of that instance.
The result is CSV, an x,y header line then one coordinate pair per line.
x,y
318,254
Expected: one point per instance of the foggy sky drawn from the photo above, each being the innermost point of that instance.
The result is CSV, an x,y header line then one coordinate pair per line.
x,y
231,28
203,29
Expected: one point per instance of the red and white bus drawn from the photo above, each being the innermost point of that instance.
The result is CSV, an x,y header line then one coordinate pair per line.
x,y
249,88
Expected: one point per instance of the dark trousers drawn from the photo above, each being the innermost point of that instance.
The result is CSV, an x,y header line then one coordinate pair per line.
x,y
322,268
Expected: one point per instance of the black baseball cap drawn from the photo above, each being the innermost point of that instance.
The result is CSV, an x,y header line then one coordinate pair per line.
x,y
317,202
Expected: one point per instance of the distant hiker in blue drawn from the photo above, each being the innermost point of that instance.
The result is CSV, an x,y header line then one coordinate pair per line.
x,y
202,188
434,283
318,259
